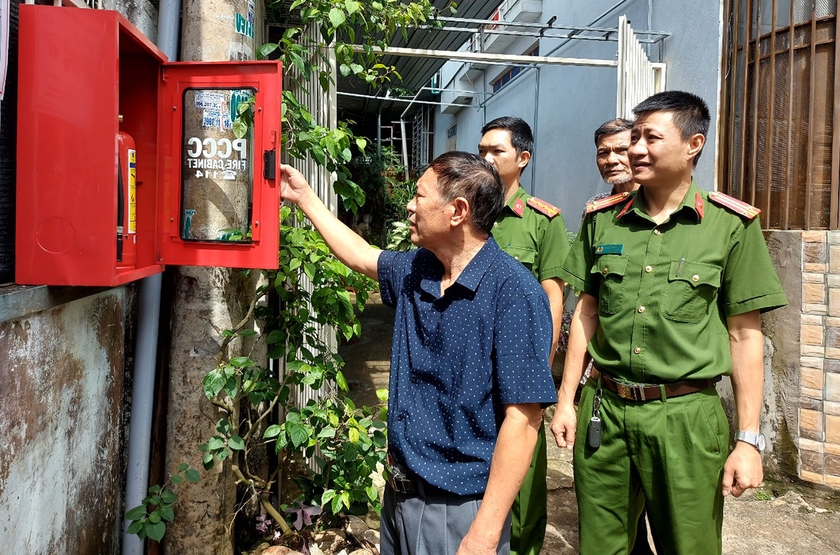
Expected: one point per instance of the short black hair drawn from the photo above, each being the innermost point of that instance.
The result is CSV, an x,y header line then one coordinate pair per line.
x,y
521,136
463,174
612,127
690,112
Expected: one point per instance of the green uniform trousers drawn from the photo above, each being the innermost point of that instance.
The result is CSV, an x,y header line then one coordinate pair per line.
x,y
667,456
529,514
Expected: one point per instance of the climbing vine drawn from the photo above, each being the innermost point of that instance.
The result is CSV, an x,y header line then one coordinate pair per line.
x,y
345,442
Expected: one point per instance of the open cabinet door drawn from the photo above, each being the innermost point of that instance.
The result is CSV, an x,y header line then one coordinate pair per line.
x,y
220,194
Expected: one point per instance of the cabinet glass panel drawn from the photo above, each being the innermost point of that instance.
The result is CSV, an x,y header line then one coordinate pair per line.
x,y
216,167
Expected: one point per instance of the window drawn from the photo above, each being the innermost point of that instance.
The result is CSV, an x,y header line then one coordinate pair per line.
x,y
780,150
512,72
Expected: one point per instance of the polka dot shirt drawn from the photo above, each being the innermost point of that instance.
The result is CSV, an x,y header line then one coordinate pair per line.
x,y
457,359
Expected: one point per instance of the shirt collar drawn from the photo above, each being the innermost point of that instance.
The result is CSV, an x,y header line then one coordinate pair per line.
x,y
693,204
516,204
472,274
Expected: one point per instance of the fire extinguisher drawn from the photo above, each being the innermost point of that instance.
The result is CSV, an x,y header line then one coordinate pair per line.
x,y
126,200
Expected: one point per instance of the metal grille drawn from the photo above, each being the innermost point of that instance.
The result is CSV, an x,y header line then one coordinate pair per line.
x,y
323,107
779,149
638,77
420,131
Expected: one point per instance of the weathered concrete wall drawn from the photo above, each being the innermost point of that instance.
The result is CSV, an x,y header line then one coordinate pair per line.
x,y
780,413
61,422
141,13
780,421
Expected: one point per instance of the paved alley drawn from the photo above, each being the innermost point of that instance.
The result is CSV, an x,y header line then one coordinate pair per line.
x,y
807,521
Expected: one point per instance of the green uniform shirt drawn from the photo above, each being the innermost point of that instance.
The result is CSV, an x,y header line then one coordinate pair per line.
x,y
664,291
538,241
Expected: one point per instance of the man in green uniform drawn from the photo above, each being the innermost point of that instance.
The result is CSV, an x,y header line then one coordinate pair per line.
x,y
673,280
533,232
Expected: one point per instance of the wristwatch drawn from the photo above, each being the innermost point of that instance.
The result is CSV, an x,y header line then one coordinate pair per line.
x,y
755,439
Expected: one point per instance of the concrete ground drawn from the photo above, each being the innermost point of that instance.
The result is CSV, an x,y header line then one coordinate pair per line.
x,y
773,520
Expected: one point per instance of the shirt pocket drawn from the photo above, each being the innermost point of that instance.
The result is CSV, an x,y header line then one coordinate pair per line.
x,y
612,269
691,291
525,255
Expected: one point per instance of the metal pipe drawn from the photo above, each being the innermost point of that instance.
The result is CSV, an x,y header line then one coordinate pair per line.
x,y
533,163
148,319
483,57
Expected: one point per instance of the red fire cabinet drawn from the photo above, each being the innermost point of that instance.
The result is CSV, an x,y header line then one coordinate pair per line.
x,y
127,162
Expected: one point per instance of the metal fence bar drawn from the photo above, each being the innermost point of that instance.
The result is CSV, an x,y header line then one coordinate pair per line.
x,y
756,66
834,211
812,90
740,172
637,78
771,114
790,159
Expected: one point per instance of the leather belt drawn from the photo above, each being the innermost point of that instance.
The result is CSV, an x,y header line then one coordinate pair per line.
x,y
651,392
404,482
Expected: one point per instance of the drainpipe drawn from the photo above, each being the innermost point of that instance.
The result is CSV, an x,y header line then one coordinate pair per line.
x,y
148,318
533,163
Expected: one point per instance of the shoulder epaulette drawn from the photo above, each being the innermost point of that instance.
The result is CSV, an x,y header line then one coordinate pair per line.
x,y
738,206
597,205
543,207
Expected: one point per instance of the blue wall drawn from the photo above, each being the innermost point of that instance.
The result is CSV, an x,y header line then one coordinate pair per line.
x,y
565,104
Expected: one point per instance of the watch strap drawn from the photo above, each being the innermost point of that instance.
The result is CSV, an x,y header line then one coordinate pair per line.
x,y
756,439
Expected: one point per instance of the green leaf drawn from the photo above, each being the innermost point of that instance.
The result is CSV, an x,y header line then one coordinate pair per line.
x,y
241,362
176,479
168,514
298,434
192,475
236,443
168,497
351,6
135,527
341,381
361,142
136,513
183,466
353,435
327,433
336,17
266,49
240,129
327,496
156,531
272,431
215,443
154,517
382,395
213,383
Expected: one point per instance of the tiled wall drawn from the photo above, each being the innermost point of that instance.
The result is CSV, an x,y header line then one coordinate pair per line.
x,y
819,387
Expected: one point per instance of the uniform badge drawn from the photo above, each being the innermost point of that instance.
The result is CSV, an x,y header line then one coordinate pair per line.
x,y
597,205
738,206
518,207
609,249
543,207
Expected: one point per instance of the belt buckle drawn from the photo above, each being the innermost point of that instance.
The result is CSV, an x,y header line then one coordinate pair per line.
x,y
402,484
631,392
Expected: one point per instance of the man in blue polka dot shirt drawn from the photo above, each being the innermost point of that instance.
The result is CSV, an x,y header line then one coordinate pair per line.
x,y
469,360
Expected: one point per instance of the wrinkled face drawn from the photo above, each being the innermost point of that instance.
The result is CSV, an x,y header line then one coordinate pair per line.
x,y
497,149
658,154
428,214
612,159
